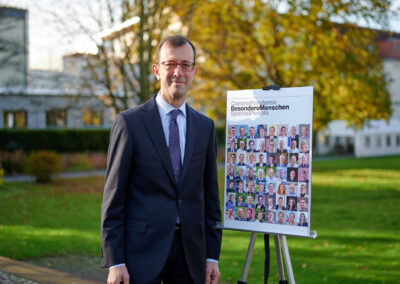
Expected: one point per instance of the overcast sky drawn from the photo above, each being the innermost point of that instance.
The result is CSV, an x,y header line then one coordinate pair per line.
x,y
47,44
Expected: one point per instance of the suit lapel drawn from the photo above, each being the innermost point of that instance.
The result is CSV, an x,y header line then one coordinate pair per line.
x,y
191,137
152,121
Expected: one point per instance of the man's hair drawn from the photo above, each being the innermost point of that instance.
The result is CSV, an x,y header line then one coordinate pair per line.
x,y
175,41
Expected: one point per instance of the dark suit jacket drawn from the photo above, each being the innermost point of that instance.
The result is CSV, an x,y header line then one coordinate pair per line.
x,y
141,198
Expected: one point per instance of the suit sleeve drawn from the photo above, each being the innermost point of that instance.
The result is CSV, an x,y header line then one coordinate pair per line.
x,y
212,210
115,189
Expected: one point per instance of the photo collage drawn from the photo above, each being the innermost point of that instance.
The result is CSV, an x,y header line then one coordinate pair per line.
x,y
268,174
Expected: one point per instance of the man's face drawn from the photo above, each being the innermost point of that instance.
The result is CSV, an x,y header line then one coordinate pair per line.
x,y
271,160
292,175
303,159
291,202
293,130
260,215
241,171
280,200
241,130
271,173
251,145
252,131
240,185
175,83
271,131
240,212
232,144
282,159
233,131
240,199
303,189
260,200
292,188
230,212
241,157
280,216
262,133
270,202
251,159
293,159
270,215
250,200
231,197
270,188
241,145
262,146
260,174
251,186
232,171
271,146
291,217
303,175
233,158
293,144
283,131
281,143
261,158
250,172
261,187
281,174
232,184
302,204
304,131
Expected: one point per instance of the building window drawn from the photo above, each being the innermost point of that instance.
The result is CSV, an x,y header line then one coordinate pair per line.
x,y
56,118
367,141
327,141
398,140
378,141
92,117
337,140
15,119
388,140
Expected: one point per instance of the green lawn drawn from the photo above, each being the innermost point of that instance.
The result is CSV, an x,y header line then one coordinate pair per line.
x,y
354,211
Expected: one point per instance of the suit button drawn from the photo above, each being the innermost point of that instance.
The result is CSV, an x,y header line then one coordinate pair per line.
x,y
179,201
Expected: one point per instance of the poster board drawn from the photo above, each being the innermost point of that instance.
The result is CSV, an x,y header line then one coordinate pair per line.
x,y
268,161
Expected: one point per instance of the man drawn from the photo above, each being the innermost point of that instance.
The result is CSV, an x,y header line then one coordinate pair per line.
x,y
252,147
282,176
262,132
230,215
293,147
240,201
293,161
303,206
162,154
282,148
241,132
303,161
282,161
261,161
231,202
271,158
283,132
270,205
251,175
271,133
232,160
271,146
280,205
260,203
241,175
242,148
250,187
240,217
270,218
240,187
232,147
271,176
241,161
250,202
260,217
260,178
233,132
231,174
291,219
292,175
252,160
303,176
304,132
231,186
293,135
260,189
292,190
252,132
271,192
261,145
281,218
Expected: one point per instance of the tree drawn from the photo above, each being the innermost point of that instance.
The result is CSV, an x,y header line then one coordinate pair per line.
x,y
125,33
247,44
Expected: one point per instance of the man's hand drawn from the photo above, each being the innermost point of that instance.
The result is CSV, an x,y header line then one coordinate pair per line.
x,y
116,275
212,273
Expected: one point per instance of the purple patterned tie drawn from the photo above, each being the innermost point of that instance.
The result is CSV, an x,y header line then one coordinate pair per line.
x,y
174,145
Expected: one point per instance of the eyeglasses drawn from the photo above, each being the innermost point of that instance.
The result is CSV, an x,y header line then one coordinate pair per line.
x,y
171,65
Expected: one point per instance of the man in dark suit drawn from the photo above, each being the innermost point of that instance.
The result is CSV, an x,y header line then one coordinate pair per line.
x,y
162,158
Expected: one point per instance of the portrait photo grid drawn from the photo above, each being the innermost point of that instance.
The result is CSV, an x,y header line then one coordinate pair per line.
x,y
268,177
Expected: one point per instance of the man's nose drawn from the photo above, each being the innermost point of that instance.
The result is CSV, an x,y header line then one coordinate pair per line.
x,y
178,70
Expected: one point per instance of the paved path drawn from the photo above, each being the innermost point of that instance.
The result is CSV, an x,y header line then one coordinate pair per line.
x,y
27,178
13,271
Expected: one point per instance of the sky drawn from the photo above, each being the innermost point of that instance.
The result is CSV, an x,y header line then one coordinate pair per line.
x,y
49,42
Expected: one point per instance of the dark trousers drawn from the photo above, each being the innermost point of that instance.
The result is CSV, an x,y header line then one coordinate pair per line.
x,y
175,270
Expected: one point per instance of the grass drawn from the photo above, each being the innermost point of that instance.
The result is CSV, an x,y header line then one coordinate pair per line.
x,y
354,210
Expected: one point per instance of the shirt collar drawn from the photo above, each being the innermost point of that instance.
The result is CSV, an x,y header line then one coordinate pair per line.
x,y
165,108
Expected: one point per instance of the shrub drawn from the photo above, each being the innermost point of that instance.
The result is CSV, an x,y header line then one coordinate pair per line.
x,y
13,161
43,165
1,177
78,162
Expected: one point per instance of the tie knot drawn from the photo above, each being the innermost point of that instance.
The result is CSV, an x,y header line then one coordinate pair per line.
x,y
174,114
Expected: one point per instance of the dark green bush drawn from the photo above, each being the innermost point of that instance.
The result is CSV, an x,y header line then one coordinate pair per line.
x,y
13,162
59,140
43,165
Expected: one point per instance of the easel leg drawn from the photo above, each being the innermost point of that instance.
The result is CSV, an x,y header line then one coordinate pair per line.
x,y
282,279
288,262
243,279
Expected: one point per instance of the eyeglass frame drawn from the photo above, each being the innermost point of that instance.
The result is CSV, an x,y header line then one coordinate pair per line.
x,y
176,64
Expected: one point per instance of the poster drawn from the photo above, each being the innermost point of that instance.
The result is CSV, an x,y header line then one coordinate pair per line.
x,y
268,161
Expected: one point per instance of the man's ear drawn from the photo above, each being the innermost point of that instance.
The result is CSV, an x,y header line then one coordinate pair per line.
x,y
156,71
196,70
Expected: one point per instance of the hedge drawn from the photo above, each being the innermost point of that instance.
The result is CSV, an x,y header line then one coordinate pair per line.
x,y
65,140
